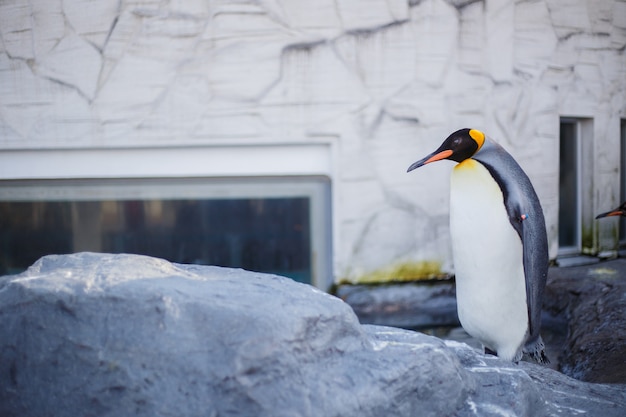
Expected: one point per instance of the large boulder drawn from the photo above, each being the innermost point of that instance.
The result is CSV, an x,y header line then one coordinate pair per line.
x,y
125,335
593,299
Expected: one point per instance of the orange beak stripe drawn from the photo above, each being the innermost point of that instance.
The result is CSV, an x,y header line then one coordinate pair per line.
x,y
438,157
613,213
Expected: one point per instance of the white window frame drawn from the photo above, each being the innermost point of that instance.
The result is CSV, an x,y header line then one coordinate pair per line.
x,y
254,171
584,184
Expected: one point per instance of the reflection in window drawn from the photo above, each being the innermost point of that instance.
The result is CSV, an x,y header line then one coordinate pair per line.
x,y
268,234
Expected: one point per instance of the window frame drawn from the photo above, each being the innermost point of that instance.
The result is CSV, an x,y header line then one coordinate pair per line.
x,y
586,228
577,247
262,165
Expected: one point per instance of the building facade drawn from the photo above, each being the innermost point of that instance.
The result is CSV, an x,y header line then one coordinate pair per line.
x,y
143,114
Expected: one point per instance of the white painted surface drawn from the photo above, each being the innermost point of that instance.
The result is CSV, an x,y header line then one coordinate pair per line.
x,y
207,161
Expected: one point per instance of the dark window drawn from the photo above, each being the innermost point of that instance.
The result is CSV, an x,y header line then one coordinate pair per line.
x,y
272,234
569,210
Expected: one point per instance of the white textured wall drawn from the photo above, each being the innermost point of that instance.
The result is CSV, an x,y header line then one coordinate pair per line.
x,y
383,82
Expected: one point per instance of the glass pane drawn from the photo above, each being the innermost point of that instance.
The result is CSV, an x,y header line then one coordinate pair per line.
x,y
568,186
260,234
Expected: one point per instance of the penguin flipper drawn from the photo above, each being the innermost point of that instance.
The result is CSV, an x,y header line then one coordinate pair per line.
x,y
531,228
529,223
535,257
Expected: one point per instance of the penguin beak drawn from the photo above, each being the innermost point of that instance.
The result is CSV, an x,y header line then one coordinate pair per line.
x,y
610,213
435,156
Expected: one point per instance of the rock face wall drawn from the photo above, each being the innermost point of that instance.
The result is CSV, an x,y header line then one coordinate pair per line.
x,y
127,335
382,83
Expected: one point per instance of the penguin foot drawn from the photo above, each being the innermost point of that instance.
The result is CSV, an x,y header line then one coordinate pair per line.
x,y
540,357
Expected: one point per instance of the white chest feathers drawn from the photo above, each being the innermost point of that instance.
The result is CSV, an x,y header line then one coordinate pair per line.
x,y
491,289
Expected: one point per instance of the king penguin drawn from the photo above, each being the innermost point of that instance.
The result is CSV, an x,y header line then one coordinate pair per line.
x,y
620,211
499,245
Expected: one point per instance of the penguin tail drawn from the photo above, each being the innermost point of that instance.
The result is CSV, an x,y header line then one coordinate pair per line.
x,y
540,357
536,351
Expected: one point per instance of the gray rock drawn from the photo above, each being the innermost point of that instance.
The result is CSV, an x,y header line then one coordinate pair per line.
x,y
406,305
125,335
593,298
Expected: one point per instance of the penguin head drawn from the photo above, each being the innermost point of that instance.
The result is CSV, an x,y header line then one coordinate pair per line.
x,y
620,211
459,146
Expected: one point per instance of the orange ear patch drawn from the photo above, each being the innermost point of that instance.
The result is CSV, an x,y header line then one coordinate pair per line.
x,y
478,136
